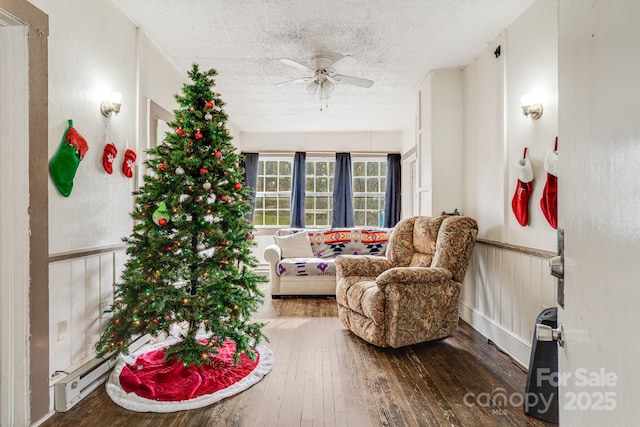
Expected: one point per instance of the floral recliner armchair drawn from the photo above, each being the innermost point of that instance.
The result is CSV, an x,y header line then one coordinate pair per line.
x,y
412,294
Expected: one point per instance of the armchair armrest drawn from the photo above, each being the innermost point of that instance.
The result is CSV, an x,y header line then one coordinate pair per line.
x,y
413,275
272,254
361,265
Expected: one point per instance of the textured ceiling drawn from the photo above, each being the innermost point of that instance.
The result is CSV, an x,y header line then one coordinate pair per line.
x,y
396,44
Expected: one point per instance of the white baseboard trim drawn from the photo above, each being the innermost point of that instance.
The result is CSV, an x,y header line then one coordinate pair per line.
x,y
511,344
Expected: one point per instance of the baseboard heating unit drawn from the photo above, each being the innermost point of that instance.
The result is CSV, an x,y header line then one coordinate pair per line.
x,y
80,383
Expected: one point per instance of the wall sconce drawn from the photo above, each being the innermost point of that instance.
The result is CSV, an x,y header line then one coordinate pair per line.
x,y
112,105
530,108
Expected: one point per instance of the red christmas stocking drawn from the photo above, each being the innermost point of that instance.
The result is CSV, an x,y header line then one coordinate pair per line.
x,y
127,164
520,201
549,200
108,157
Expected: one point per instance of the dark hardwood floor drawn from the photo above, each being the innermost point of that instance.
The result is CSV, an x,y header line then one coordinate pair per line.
x,y
325,376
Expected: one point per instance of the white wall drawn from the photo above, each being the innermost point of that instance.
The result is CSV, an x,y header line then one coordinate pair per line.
x,y
506,289
360,142
95,49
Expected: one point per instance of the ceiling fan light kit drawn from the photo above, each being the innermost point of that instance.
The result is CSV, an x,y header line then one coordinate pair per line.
x,y
322,75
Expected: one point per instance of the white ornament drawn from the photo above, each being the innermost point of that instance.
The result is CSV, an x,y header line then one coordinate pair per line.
x,y
208,117
200,247
179,171
206,185
211,199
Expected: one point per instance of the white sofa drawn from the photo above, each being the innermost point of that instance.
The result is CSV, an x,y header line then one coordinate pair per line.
x,y
301,261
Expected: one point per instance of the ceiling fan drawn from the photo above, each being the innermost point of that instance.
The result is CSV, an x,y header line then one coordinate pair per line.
x,y
322,75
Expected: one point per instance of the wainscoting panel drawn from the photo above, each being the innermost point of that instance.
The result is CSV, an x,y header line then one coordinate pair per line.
x,y
504,291
80,295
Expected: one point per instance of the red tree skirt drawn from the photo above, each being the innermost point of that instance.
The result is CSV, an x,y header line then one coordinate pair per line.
x,y
142,382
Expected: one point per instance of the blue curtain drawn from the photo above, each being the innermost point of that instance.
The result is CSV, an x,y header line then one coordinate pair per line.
x,y
250,165
297,190
342,193
392,191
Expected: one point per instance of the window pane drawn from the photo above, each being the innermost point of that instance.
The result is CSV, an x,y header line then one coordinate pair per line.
x,y
260,183
285,217
372,219
383,184
271,184
322,185
261,167
310,168
332,168
271,217
285,183
322,219
308,219
383,168
358,218
285,203
309,185
358,203
322,203
373,203
358,169
322,169
271,167
259,202
258,218
271,202
372,168
358,185
331,184
373,185
285,168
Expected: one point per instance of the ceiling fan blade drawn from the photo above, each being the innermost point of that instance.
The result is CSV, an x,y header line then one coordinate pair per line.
x,y
356,81
344,61
312,87
296,64
288,82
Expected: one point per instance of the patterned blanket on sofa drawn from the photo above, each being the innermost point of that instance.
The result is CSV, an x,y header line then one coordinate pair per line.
x,y
327,244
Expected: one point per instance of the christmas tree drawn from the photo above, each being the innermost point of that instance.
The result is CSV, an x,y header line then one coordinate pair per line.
x,y
190,264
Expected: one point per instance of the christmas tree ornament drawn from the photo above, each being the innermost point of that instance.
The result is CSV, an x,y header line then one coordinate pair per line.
x,y
223,198
162,165
65,162
208,105
108,156
180,131
218,154
549,200
128,162
206,185
198,135
208,117
524,187
237,186
161,215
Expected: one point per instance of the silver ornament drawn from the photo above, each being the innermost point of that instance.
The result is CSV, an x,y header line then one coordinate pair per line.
x,y
206,185
179,171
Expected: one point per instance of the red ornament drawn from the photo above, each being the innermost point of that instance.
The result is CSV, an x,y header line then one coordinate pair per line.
x,y
180,131
198,135
162,222
203,171
218,154
223,198
249,236
161,166
237,186
209,105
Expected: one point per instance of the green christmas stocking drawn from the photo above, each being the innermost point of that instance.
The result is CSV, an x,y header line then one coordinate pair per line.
x,y
64,164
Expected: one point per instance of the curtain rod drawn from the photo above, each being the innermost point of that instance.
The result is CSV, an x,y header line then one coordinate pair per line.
x,y
327,153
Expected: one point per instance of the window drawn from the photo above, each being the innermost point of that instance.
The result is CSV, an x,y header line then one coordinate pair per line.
x,y
369,180
273,192
318,204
